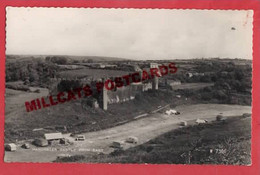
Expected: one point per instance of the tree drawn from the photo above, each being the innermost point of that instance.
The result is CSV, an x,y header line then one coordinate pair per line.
x,y
90,60
57,59
66,85
33,76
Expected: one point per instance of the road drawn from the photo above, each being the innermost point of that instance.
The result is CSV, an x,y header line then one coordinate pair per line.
x,y
144,129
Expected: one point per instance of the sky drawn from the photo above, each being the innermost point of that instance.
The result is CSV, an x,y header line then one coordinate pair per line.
x,y
130,33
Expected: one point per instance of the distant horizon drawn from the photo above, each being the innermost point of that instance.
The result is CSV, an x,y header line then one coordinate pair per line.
x,y
43,55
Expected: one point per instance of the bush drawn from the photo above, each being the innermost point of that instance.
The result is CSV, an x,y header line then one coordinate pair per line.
x,y
207,89
139,96
75,158
18,87
245,115
37,91
221,95
66,85
206,96
219,117
117,152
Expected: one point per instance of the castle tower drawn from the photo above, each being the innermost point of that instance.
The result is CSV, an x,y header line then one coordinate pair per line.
x,y
103,98
155,83
155,80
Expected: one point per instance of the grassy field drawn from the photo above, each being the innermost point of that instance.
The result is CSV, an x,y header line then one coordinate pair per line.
x,y
94,73
227,142
193,86
14,99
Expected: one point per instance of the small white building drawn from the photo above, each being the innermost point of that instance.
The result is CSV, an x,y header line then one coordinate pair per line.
x,y
53,137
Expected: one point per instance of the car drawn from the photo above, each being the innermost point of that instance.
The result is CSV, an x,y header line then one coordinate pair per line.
x,y
132,139
26,146
183,123
117,144
177,113
80,138
172,111
60,156
199,121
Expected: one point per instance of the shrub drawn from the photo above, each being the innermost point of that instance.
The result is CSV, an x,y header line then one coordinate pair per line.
x,y
75,158
219,117
149,149
37,91
245,115
117,152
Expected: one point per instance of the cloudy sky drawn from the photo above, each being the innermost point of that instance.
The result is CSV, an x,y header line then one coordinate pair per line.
x,y
129,33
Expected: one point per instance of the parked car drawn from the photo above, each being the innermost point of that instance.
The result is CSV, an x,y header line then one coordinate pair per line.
x,y
80,138
10,147
172,111
198,121
117,144
132,139
40,142
183,123
26,146
60,156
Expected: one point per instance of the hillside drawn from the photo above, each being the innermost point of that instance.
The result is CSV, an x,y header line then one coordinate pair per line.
x,y
77,116
227,142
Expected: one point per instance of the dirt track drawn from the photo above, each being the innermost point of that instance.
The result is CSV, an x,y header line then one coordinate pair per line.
x,y
144,129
